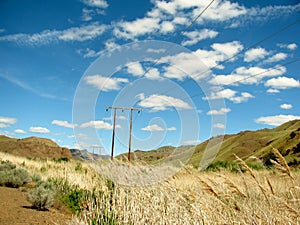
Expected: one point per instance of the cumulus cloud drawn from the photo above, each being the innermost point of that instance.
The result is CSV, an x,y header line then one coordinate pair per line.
x,y
221,111
162,102
96,3
155,127
20,131
41,130
286,106
276,120
196,36
153,74
82,33
105,83
219,125
7,120
98,124
139,27
135,68
272,91
277,57
282,83
255,54
230,95
251,75
63,124
291,46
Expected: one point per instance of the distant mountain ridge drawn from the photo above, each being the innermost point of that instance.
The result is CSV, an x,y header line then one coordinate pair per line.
x,y
33,147
248,145
86,155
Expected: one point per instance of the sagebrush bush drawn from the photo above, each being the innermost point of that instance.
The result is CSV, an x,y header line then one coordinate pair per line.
x,y
10,176
6,165
42,195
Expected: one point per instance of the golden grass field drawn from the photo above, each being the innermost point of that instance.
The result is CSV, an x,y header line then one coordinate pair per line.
x,y
188,197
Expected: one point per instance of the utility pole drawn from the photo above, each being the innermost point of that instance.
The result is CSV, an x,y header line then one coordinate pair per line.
x,y
114,127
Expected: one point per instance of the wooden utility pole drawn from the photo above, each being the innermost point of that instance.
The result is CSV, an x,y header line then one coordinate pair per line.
x,y
114,128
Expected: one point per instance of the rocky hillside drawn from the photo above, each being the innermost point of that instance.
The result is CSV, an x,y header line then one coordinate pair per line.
x,y
33,147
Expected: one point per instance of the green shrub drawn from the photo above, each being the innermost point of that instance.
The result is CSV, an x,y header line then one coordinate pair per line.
x,y
10,176
69,195
228,165
42,195
6,165
36,177
62,159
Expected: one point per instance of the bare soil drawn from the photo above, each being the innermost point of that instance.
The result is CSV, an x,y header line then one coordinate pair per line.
x,y
16,210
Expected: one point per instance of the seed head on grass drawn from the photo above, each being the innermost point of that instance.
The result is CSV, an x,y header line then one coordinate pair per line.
x,y
281,163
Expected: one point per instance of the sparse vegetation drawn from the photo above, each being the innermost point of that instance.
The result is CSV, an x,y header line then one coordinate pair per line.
x,y
42,195
248,196
10,176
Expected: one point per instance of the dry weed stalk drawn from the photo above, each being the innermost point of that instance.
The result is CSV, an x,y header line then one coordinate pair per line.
x,y
281,165
247,168
232,185
270,186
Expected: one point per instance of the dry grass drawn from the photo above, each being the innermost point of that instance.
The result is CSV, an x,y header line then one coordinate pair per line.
x,y
189,197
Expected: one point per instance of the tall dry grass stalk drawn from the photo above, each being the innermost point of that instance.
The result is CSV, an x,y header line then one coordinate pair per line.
x,y
281,165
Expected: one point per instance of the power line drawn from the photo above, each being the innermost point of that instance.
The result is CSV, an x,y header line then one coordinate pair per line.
x,y
235,55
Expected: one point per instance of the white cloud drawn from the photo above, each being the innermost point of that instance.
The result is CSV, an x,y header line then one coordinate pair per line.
x,y
196,36
105,83
286,106
230,95
96,3
167,27
3,125
255,54
221,111
272,91
219,125
196,64
41,130
89,53
251,75
20,131
171,129
139,27
162,102
291,46
228,49
7,120
277,57
87,14
219,10
192,142
153,74
98,124
282,83
153,127
83,33
63,124
135,68
276,120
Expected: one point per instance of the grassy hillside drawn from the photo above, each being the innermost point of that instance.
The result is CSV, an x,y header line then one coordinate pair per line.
x,y
248,145
33,147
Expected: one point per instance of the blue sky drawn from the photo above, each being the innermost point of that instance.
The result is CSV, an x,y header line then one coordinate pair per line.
x,y
221,75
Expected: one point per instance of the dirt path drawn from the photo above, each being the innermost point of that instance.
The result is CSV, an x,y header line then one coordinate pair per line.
x,y
16,210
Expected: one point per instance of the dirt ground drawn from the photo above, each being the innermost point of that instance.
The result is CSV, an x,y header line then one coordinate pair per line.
x,y
16,210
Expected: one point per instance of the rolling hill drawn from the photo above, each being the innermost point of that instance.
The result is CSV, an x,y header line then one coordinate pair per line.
x,y
33,147
248,145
